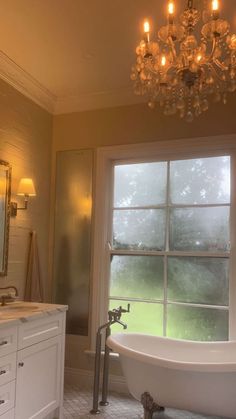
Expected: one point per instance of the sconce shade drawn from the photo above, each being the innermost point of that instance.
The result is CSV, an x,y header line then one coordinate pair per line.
x,y
26,187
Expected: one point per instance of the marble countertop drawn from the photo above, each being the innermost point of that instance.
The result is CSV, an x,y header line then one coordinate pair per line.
x,y
22,311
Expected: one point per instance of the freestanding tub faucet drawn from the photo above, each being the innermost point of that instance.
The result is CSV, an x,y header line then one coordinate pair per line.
x,y
114,316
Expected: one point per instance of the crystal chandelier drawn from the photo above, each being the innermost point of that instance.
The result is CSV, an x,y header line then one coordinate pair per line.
x,y
185,66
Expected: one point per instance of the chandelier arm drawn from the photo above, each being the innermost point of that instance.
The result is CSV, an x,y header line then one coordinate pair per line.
x,y
215,72
210,58
170,41
220,65
214,44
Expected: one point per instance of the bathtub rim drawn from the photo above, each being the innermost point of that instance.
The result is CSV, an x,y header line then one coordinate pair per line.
x,y
128,352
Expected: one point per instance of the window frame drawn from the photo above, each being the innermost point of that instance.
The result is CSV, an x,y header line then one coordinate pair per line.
x,y
106,157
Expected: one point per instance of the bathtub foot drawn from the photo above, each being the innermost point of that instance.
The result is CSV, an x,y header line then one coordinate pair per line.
x,y
150,406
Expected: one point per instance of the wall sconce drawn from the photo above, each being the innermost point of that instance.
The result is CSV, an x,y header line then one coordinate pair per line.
x,y
26,188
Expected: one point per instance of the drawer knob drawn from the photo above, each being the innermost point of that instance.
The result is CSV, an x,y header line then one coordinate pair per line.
x,y
4,342
21,364
2,401
2,372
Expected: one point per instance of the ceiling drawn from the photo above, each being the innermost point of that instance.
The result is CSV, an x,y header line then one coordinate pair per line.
x,y
71,55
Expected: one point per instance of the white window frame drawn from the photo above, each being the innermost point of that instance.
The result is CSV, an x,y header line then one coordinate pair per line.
x,y
161,150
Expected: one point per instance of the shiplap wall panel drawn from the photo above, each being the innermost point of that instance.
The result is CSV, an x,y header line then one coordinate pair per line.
x,y
25,142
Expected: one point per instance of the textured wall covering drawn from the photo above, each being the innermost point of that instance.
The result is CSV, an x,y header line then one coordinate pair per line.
x,y
25,142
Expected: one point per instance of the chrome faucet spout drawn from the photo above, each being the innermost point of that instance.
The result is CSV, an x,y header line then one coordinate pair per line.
x,y
122,324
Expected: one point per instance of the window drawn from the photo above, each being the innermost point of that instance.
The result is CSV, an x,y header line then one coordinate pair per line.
x,y
165,222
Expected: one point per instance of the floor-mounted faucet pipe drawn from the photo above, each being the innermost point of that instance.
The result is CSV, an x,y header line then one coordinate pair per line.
x,y
113,317
95,409
104,401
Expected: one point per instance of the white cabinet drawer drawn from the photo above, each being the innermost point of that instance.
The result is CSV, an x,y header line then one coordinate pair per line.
x,y
8,340
7,397
9,415
7,368
35,331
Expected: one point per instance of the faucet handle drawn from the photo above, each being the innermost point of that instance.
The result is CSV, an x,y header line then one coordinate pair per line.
x,y
123,310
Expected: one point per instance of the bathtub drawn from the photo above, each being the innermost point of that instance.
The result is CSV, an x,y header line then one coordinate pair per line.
x,y
195,376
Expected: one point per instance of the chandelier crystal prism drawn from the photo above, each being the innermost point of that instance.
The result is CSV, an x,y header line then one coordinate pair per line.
x,y
187,65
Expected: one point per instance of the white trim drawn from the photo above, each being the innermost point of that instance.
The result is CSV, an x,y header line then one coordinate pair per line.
x,y
26,84
232,296
85,378
22,81
173,149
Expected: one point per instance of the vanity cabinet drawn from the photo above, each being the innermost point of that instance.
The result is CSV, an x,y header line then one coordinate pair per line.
x,y
38,379
32,368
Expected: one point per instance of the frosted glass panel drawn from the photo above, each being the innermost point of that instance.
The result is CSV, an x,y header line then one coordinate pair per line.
x,y
72,254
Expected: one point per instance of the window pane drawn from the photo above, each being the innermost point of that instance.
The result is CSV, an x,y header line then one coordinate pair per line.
x,y
200,181
140,184
137,277
143,317
139,229
200,229
194,323
198,280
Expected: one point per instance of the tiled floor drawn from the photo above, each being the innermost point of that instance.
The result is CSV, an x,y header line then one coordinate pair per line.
x,y
78,403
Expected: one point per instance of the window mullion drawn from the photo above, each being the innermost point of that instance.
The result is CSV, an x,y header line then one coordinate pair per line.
x,y
174,253
166,248
108,250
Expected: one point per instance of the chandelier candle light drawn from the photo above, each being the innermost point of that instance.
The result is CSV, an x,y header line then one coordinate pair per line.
x,y
185,66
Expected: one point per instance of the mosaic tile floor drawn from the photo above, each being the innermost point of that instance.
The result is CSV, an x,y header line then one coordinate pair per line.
x,y
78,403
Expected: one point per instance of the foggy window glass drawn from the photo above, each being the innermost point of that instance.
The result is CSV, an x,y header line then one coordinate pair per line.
x,y
170,246
195,323
137,277
200,229
200,181
139,229
140,184
198,280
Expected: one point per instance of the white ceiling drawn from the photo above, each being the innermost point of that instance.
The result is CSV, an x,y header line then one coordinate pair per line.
x,y
73,55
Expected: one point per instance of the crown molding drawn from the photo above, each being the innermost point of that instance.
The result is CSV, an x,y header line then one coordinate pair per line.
x,y
97,100
22,81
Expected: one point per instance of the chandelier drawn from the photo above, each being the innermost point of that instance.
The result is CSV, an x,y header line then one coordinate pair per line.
x,y
187,63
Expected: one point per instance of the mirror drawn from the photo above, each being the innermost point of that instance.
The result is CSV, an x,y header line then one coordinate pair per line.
x,y
5,197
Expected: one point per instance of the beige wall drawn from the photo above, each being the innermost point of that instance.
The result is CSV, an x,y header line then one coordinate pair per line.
x,y
25,142
135,124
126,125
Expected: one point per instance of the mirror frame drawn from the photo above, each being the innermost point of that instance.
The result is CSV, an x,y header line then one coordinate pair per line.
x,y
4,263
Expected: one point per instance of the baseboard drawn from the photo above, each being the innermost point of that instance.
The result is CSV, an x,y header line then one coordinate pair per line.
x,y
85,378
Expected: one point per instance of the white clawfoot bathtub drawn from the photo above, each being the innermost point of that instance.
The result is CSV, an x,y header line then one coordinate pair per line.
x,y
195,376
